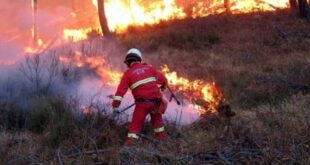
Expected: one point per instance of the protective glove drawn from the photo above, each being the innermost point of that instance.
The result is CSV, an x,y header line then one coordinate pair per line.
x,y
163,87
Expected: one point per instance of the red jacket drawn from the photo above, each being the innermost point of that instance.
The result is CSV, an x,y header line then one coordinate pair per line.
x,y
143,80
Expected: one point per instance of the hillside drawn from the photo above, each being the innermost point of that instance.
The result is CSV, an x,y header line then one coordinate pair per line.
x,y
261,61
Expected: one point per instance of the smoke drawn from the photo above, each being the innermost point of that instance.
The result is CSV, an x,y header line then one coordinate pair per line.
x,y
52,17
24,75
90,90
44,72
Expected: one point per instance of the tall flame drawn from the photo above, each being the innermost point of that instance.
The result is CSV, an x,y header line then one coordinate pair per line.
x,y
122,14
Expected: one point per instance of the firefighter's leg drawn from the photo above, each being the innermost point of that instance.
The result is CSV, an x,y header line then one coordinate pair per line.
x,y
158,122
138,117
158,126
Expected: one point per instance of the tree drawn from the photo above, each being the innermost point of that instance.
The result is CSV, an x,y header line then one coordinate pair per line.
x,y
293,4
35,24
227,6
102,18
304,9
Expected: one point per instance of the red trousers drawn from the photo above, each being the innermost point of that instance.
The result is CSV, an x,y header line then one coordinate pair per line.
x,y
142,109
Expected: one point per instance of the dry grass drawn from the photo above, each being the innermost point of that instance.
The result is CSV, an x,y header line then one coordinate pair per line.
x,y
269,134
247,54
260,60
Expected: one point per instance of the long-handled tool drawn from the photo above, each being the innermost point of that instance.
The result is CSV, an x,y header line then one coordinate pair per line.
x,y
173,96
123,110
126,108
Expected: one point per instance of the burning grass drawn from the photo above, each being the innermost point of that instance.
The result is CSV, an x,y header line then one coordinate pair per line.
x,y
262,72
249,58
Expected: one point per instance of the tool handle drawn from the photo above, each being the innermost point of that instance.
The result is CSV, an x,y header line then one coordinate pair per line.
x,y
123,110
173,96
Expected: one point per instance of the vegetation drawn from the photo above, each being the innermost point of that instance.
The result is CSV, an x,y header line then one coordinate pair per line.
x,y
260,60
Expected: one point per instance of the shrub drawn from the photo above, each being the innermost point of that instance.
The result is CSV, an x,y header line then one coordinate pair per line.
x,y
51,116
11,116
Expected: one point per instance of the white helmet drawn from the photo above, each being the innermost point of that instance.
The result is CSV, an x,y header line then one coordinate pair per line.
x,y
133,54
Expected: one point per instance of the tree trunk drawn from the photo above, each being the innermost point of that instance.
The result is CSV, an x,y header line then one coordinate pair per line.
x,y
35,24
73,5
293,4
227,6
304,10
103,20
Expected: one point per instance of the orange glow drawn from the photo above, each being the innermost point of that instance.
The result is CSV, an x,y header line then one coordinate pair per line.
x,y
98,63
202,9
73,14
32,50
206,94
7,62
76,34
122,14
246,6
88,110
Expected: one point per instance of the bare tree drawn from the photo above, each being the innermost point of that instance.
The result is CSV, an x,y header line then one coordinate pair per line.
x,y
227,6
102,18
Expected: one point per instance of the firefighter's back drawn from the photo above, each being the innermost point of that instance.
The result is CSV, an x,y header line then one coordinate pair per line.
x,y
143,81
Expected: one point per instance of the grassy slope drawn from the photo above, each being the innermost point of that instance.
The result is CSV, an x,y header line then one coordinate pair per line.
x,y
245,54
240,52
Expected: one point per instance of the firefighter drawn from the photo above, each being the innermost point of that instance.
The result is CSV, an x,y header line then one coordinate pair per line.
x,y
146,84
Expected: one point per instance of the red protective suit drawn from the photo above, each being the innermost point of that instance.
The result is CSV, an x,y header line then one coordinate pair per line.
x,y
144,82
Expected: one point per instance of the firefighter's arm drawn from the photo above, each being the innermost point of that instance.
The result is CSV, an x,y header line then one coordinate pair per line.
x,y
161,80
120,92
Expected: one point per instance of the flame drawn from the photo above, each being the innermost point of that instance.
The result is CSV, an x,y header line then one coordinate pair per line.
x,y
76,34
97,63
88,110
121,14
73,15
202,9
255,5
35,49
206,94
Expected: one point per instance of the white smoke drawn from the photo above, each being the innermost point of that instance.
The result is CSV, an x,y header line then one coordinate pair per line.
x,y
83,85
90,90
17,83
